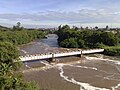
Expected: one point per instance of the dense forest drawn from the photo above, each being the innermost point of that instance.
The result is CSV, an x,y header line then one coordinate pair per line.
x,y
74,38
10,75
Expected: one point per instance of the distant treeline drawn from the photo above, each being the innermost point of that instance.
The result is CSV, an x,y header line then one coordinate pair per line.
x,y
19,35
72,38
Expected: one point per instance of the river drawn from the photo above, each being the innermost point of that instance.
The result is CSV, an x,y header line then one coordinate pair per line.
x,y
91,72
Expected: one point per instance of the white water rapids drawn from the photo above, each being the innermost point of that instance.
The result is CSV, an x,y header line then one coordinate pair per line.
x,y
86,86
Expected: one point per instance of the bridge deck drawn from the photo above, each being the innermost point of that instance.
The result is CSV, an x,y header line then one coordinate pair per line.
x,y
58,54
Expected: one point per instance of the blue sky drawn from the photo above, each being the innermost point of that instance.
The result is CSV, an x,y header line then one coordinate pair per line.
x,y
50,13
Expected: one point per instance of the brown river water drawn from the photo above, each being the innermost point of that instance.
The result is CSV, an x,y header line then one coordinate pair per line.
x,y
91,72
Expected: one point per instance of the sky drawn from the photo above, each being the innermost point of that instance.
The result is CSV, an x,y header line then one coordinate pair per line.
x,y
52,13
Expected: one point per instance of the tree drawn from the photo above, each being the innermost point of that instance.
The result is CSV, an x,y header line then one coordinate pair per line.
x,y
96,28
75,28
66,27
9,54
10,77
87,38
110,39
18,26
81,28
59,27
81,43
107,27
71,43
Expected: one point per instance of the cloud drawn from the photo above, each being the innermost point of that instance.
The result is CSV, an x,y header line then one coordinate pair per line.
x,y
83,16
54,18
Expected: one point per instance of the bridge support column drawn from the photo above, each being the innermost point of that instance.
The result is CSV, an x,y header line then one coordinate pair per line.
x,y
51,59
81,54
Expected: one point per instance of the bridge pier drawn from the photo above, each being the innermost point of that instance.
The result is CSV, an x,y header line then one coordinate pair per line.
x,y
81,55
52,59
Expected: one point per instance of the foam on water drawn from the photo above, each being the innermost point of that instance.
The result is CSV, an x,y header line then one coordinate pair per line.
x,y
83,86
95,58
24,51
47,64
110,77
116,87
27,65
116,62
86,86
93,68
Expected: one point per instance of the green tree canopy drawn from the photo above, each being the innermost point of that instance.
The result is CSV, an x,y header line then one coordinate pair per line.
x,y
71,43
10,77
86,38
18,26
66,27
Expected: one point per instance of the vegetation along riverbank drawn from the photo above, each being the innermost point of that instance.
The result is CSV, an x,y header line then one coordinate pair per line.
x,y
10,38
89,38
